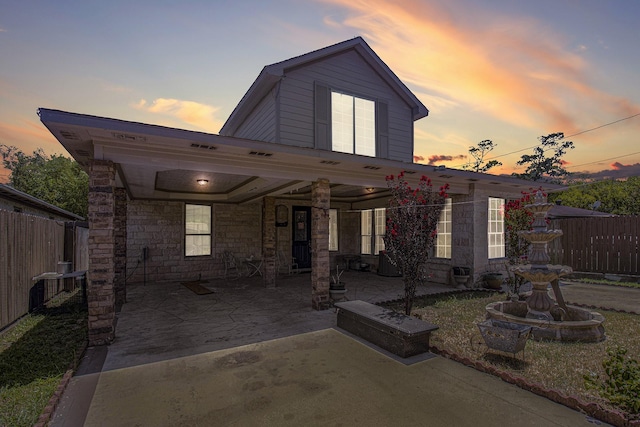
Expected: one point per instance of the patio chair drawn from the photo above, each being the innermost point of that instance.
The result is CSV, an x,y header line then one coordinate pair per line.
x,y
286,264
231,264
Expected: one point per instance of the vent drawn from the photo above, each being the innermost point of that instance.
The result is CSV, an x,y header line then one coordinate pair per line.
x,y
409,172
260,154
329,162
69,135
373,168
127,137
82,153
205,146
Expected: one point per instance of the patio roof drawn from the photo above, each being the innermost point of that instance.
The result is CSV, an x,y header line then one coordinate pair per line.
x,y
162,163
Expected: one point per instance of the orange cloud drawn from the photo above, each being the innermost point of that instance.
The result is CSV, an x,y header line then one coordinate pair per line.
x,y
199,115
507,67
444,158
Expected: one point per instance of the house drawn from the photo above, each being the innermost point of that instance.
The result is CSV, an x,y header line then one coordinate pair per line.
x,y
298,169
18,201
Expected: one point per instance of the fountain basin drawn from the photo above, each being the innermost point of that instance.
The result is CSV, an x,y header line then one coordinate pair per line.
x,y
586,326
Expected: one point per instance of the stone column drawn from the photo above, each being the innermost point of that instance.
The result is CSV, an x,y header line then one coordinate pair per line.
x,y
120,237
269,268
100,289
320,264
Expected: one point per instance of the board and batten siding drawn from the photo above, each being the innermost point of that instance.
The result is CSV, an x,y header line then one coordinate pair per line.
x,y
260,125
348,73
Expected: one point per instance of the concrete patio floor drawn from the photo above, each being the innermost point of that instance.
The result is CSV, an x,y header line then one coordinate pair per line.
x,y
245,355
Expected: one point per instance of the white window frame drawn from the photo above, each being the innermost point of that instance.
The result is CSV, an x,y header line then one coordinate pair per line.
x,y
373,225
443,238
333,229
197,230
353,124
495,228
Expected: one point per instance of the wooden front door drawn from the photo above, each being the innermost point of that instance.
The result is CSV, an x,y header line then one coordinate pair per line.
x,y
301,250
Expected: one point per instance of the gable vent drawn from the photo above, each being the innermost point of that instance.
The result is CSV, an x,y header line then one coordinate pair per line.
x,y
260,154
206,147
69,135
127,137
373,168
329,162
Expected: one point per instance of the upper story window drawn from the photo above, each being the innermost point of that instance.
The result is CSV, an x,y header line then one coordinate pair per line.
x,y
495,228
353,124
197,230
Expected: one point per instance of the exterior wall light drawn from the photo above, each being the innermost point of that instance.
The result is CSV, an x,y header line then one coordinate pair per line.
x,y
202,181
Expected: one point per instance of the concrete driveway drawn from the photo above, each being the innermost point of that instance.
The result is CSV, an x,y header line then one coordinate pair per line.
x,y
245,355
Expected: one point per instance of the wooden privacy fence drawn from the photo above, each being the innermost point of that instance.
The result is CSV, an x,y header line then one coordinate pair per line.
x,y
598,244
29,245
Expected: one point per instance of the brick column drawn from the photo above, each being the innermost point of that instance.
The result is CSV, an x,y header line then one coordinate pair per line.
x,y
269,269
100,290
120,237
320,266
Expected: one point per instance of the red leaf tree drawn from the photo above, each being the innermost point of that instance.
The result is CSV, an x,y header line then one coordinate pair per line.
x,y
412,220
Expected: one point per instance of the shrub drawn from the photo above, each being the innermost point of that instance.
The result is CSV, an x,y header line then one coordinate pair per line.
x,y
621,386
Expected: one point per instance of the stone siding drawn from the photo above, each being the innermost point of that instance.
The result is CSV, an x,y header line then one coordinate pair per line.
x,y
160,227
100,289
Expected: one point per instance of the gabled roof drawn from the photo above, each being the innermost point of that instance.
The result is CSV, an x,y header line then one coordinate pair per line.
x,y
271,74
10,193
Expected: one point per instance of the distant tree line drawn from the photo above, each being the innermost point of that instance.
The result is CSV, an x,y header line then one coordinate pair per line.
x,y
545,165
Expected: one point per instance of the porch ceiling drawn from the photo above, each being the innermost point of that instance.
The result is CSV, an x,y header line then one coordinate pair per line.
x,y
156,162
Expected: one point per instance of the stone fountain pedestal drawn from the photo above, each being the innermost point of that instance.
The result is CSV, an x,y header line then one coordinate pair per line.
x,y
551,319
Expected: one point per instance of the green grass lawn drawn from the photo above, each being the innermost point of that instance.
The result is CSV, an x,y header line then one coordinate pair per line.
x,y
34,355
559,366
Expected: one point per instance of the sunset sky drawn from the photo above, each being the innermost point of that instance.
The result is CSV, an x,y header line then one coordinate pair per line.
x,y
504,70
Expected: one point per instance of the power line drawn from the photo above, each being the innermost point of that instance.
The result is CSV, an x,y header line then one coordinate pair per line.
x,y
568,136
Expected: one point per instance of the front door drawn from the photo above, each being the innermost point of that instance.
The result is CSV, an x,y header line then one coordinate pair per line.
x,y
301,250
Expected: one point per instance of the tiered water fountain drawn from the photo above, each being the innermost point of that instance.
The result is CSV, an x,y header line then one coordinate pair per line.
x,y
551,320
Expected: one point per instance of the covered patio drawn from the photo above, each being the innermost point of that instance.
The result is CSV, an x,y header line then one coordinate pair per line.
x,y
142,177
246,355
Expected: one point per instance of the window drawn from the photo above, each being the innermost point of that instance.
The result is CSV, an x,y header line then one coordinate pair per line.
x,y
443,239
495,228
353,124
333,229
197,230
372,229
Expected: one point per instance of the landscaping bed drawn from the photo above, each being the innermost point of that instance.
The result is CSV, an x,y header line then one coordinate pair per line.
x,y
550,368
35,354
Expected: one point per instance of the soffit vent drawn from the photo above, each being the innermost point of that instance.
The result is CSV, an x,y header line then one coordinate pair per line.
x,y
69,135
128,137
260,154
373,168
329,162
205,146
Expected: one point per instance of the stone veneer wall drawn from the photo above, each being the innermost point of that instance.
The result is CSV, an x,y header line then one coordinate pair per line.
x,y
100,289
120,236
160,227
